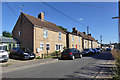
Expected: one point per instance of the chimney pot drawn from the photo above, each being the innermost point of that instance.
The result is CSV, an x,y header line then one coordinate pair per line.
x,y
89,34
84,32
74,30
41,16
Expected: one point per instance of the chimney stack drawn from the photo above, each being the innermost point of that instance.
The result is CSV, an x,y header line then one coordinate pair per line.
x,y
41,16
84,32
89,34
74,29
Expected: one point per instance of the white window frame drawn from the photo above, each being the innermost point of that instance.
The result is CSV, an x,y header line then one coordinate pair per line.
x,y
72,38
61,47
45,33
47,46
41,47
57,47
59,35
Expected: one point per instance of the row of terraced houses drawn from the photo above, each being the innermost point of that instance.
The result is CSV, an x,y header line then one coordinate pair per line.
x,y
42,36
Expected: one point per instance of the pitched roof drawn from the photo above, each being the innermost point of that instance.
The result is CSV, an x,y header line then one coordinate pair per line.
x,y
85,36
46,24
7,40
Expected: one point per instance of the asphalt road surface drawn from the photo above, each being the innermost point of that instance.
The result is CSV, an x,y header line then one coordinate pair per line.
x,y
85,67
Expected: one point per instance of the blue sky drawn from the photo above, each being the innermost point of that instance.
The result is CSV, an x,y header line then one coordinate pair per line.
x,y
96,15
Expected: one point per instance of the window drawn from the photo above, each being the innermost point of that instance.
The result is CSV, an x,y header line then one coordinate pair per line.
x,y
45,33
19,33
41,46
18,45
61,47
79,39
72,38
85,41
72,46
79,47
47,47
57,47
9,46
59,35
13,45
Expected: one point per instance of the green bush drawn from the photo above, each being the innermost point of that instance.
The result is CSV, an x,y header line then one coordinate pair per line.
x,y
38,57
55,53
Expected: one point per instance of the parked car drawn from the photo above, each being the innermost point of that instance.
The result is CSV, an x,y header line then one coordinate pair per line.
x,y
108,49
4,57
95,50
17,53
71,53
99,50
87,51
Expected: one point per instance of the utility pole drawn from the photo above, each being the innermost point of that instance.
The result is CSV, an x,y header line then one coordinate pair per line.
x,y
101,40
88,34
118,22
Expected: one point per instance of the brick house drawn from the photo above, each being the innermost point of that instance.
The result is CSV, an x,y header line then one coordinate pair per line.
x,y
87,40
74,41
38,34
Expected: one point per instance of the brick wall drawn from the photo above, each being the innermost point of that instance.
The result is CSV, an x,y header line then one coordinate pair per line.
x,y
52,39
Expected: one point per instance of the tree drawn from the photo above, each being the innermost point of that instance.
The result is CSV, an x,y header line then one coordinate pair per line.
x,y
62,28
7,34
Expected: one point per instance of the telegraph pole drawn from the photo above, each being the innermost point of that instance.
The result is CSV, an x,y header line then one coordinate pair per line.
x,y
88,34
101,40
118,22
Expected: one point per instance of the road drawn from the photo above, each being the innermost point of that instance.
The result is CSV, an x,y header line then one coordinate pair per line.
x,y
85,67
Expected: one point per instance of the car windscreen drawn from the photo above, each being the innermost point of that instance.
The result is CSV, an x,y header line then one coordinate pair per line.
x,y
86,50
67,50
98,48
1,48
26,50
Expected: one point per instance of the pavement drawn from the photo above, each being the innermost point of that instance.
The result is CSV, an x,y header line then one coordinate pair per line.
x,y
97,66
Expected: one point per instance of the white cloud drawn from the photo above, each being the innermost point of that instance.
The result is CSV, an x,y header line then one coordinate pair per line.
x,y
81,19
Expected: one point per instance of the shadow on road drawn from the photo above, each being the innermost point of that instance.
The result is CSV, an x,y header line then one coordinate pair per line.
x,y
102,56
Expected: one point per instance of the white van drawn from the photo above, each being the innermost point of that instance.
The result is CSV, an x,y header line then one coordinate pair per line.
x,y
3,54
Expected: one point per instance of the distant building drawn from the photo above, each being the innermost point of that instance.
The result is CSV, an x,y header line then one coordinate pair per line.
x,y
8,43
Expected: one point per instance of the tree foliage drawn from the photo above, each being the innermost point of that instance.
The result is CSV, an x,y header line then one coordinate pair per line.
x,y
7,34
62,28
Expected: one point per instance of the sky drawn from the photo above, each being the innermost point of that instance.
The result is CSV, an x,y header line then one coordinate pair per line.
x,y
96,15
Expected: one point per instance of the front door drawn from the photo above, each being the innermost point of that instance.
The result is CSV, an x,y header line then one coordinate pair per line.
x,y
76,46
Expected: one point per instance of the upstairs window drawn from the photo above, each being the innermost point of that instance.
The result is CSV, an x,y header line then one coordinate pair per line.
x,y
19,33
45,33
59,35
72,38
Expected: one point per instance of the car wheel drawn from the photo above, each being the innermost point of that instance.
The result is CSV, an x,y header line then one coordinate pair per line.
x,y
10,56
73,57
80,56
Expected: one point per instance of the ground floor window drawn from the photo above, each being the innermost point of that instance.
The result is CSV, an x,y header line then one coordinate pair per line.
x,y
9,46
47,47
13,45
18,45
72,46
79,47
58,47
41,46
